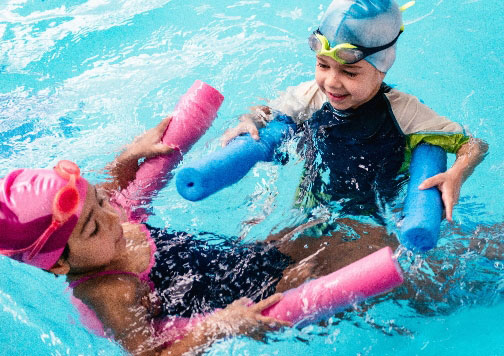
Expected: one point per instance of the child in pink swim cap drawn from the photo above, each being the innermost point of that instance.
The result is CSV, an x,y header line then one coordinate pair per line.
x,y
32,233
130,279
55,220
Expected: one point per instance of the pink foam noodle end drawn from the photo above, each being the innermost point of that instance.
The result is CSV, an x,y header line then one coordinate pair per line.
x,y
191,118
193,115
321,298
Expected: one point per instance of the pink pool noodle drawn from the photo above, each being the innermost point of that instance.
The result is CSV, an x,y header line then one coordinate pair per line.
x,y
323,297
192,116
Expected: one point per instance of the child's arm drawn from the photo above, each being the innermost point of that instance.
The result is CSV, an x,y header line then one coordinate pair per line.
x,y
249,123
118,302
299,102
239,318
123,169
449,183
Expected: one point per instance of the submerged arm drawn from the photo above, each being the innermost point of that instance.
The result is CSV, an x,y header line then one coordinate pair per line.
x,y
117,302
242,317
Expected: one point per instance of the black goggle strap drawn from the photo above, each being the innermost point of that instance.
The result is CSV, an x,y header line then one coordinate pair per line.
x,y
367,51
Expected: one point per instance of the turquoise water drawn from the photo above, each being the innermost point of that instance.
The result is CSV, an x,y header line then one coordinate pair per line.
x,y
78,79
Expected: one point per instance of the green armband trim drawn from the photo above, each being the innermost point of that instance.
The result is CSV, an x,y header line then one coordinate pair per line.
x,y
449,142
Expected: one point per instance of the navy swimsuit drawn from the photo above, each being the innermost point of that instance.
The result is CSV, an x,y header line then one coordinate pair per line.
x,y
353,155
197,274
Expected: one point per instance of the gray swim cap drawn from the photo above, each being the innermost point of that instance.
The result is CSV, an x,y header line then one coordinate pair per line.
x,y
367,23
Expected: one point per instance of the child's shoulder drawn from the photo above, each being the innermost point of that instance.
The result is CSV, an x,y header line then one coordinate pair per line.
x,y
299,101
397,96
413,116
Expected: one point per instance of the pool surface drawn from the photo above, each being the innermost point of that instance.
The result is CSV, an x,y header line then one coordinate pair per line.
x,y
81,78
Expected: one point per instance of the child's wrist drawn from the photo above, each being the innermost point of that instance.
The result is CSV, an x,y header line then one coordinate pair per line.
x,y
130,154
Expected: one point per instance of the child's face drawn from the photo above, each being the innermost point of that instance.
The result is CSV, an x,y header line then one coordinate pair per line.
x,y
347,86
97,239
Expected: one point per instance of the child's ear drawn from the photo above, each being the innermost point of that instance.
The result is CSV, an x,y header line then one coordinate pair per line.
x,y
60,267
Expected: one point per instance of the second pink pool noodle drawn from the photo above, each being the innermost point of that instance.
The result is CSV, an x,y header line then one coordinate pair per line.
x,y
323,297
192,116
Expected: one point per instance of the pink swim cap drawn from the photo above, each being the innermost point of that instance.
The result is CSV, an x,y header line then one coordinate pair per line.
x,y
26,212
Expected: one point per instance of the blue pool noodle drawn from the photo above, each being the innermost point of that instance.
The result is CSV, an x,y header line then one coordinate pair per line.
x,y
423,209
227,166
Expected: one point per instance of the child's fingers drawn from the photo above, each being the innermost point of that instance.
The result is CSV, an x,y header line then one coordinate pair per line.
x,y
163,124
449,210
253,131
163,149
449,203
229,135
431,182
273,323
266,303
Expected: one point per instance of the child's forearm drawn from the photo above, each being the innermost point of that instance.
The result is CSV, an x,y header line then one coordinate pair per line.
x,y
469,156
123,169
239,318
196,341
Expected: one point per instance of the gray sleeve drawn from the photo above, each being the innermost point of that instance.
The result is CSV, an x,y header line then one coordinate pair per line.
x,y
299,102
415,117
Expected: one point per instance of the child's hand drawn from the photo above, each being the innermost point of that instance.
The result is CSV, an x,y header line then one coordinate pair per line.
x,y
449,184
149,143
246,125
244,317
469,155
123,169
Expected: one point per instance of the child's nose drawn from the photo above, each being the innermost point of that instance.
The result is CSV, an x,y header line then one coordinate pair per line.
x,y
334,79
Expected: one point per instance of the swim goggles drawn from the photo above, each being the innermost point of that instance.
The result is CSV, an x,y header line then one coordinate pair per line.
x,y
344,53
64,205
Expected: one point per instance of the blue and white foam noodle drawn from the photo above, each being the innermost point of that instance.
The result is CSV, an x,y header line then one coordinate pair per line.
x,y
227,166
423,209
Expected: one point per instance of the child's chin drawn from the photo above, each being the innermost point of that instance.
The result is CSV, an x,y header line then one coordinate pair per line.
x,y
340,106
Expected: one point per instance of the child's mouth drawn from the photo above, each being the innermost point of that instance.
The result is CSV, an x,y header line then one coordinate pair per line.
x,y
337,97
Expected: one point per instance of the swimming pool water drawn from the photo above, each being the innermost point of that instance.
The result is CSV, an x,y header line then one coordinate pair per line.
x,y
78,79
